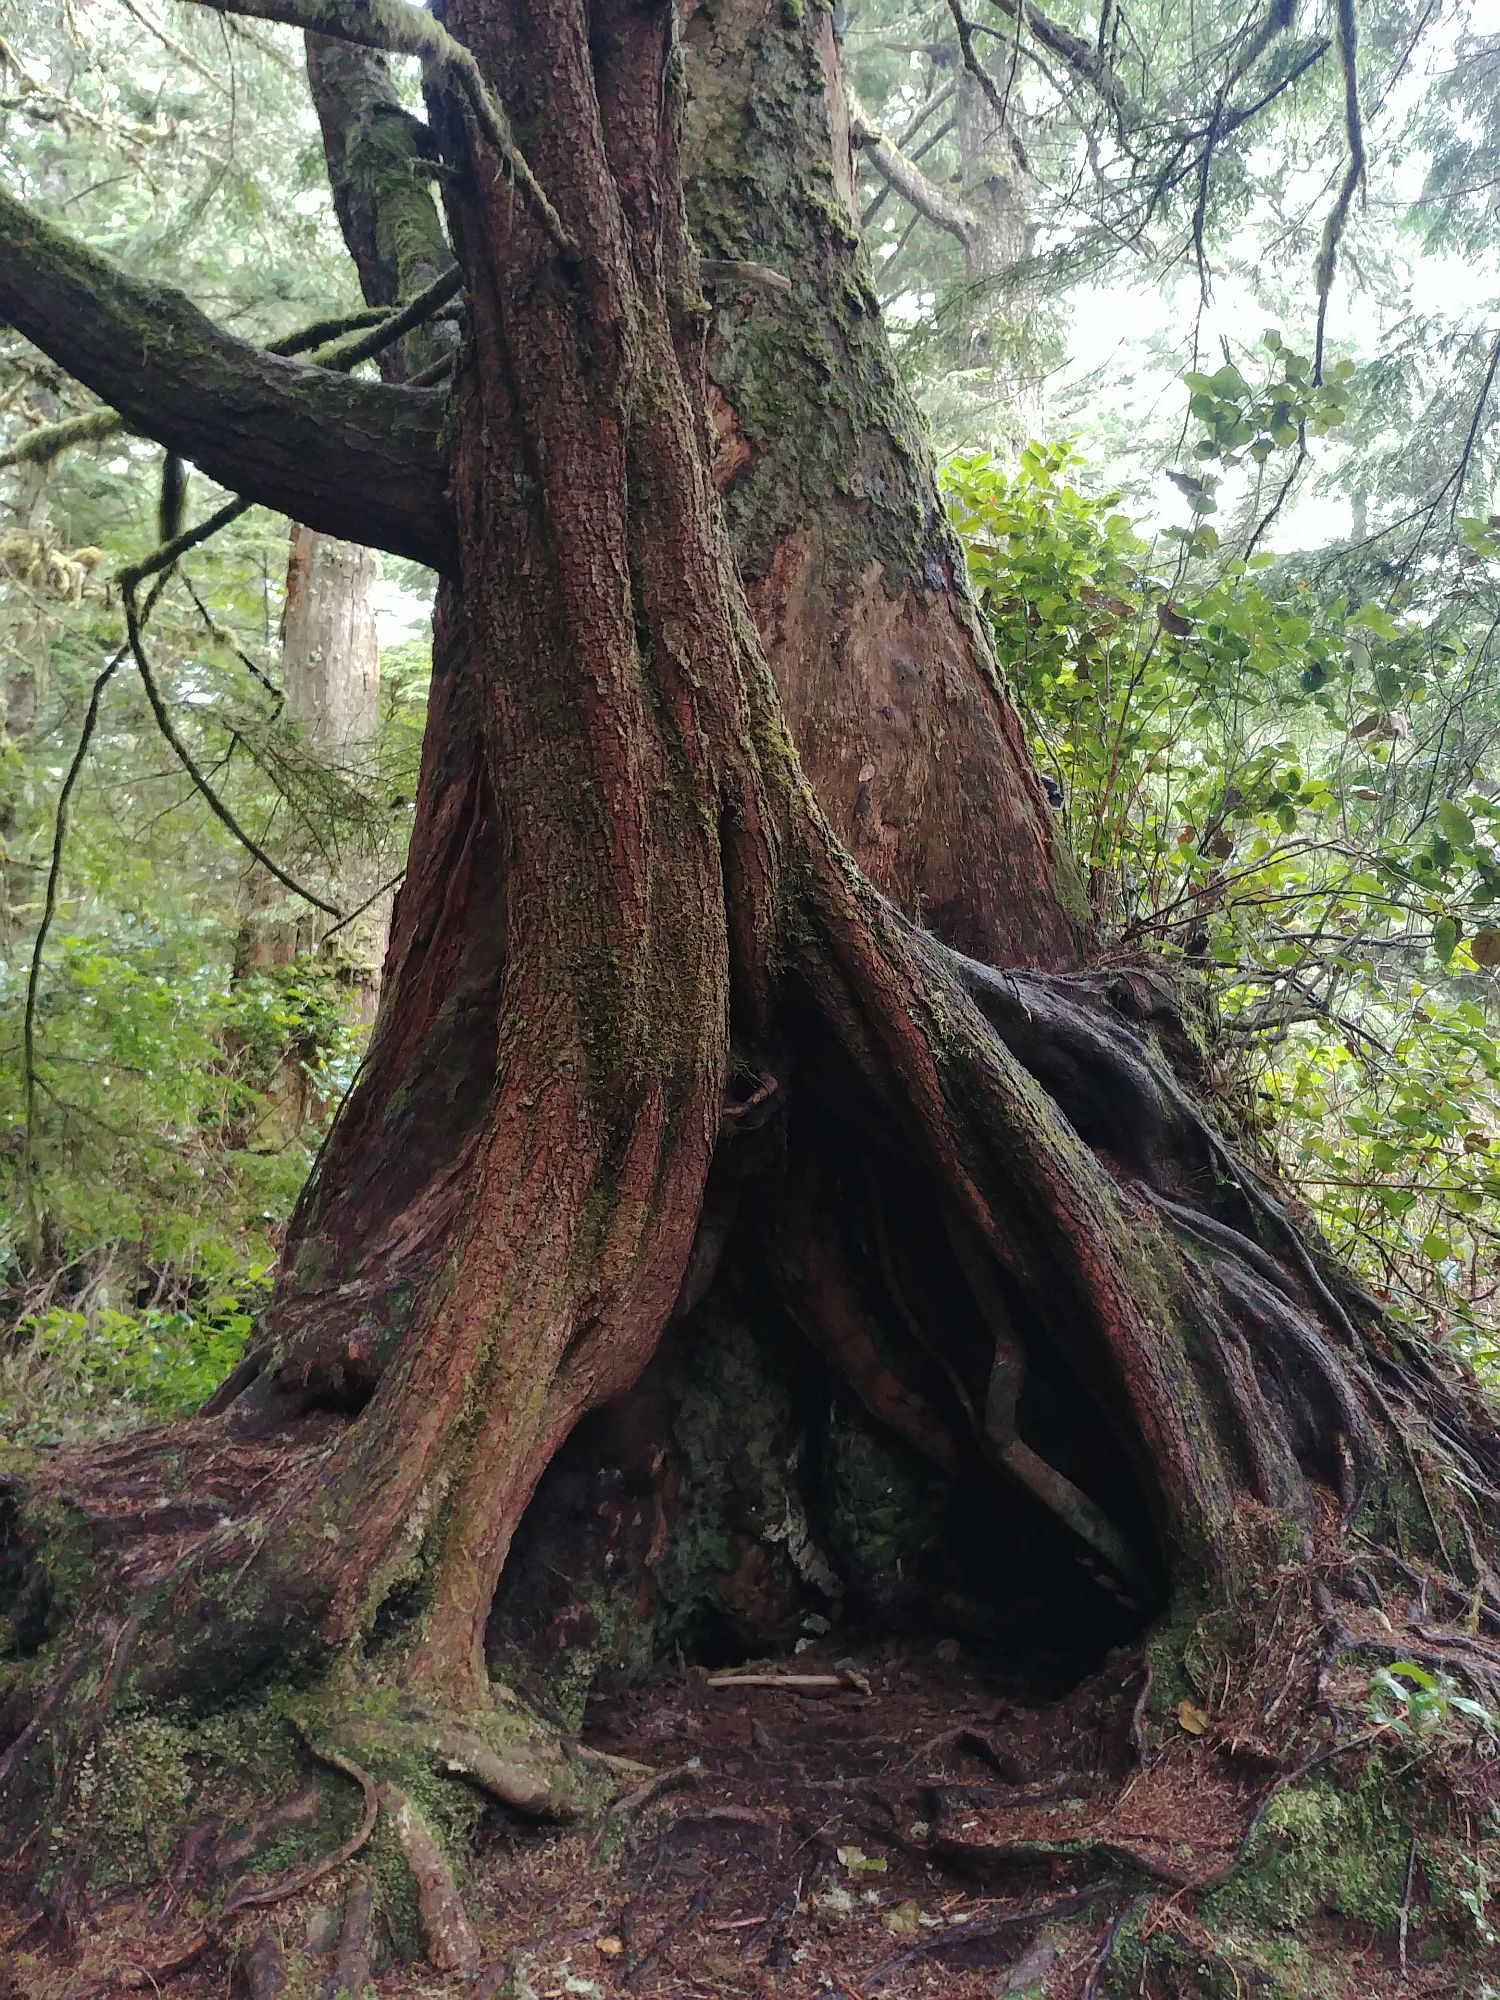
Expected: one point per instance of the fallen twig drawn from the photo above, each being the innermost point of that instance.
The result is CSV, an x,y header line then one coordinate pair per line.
x,y
847,1677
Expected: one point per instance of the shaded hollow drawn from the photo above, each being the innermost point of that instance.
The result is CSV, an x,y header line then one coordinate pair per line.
x,y
807,1455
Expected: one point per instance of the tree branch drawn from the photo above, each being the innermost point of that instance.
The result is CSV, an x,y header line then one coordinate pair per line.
x,y
189,764
350,458
1086,62
1333,228
908,180
39,944
49,441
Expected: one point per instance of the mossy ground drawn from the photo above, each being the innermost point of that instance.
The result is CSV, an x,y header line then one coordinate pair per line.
x,y
883,1831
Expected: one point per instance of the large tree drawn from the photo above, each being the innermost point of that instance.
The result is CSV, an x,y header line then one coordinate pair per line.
x,y
734,1037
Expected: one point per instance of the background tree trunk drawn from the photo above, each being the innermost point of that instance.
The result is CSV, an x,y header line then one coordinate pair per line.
x,y
993,322
26,641
330,676
379,160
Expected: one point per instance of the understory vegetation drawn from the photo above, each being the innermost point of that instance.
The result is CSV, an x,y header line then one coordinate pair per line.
x,y
1288,792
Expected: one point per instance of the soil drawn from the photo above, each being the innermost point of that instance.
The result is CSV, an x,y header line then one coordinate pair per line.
x,y
897,1820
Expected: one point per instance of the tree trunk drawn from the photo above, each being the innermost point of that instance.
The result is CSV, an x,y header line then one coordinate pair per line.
x,y
856,582
1000,389
378,161
653,1044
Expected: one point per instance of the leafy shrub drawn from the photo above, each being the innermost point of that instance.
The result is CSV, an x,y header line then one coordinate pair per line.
x,y
74,1373
1286,786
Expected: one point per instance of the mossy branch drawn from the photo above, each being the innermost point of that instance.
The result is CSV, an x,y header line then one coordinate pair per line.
x,y
361,460
1338,215
377,328
49,441
908,180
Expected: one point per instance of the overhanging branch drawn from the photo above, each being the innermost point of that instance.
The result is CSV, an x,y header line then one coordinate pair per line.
x,y
378,329
350,458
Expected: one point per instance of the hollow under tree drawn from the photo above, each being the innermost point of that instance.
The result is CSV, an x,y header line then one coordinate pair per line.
x,y
658,1064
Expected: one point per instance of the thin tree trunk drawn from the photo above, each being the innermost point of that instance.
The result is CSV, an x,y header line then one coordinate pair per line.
x,y
330,676
25,635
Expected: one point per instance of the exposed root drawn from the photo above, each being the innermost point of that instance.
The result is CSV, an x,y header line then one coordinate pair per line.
x,y
351,1965
136,1979
449,1743
263,1968
1115,1321
233,1852
644,1795
297,1882
1100,1962
451,1943
985,1927
1028,1468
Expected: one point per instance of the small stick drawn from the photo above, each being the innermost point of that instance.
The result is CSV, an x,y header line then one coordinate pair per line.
x,y
1138,1715
1411,1869
802,1683
787,1907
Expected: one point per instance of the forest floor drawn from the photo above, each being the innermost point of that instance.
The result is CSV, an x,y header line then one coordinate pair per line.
x,y
899,1822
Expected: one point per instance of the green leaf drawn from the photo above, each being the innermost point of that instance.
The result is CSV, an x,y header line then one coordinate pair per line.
x,y
1408,1670
1456,824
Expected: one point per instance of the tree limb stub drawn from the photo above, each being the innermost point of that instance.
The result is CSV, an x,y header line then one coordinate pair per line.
x,y
356,459
401,29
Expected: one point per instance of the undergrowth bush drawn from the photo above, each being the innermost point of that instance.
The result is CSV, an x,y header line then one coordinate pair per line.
x,y
68,1374
1290,789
